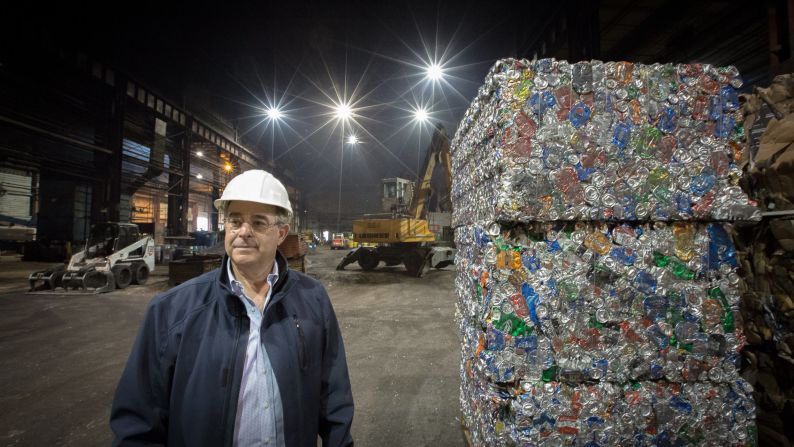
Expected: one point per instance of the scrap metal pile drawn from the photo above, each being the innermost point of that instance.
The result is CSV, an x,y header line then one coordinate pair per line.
x,y
597,279
766,256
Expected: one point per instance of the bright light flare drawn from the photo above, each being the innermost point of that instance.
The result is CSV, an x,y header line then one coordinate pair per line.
x,y
352,139
421,115
227,167
199,176
274,113
343,111
435,72
199,154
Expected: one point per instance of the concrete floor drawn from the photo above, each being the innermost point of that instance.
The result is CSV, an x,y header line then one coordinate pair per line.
x,y
62,355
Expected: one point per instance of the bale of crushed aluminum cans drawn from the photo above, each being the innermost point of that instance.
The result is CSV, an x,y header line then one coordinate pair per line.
x,y
594,301
583,290
549,140
604,306
607,414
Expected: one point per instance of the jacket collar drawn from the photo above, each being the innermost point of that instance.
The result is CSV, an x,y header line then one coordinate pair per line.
x,y
233,303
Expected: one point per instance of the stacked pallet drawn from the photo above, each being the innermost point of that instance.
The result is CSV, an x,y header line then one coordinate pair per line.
x,y
294,248
189,267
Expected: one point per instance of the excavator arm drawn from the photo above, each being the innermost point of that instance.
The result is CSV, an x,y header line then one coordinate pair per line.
x,y
437,153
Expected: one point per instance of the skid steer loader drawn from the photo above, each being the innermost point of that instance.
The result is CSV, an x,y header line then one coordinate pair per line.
x,y
115,256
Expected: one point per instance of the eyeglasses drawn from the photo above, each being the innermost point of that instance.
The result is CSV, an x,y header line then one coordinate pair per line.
x,y
258,225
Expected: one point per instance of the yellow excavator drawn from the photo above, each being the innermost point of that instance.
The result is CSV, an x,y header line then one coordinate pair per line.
x,y
405,237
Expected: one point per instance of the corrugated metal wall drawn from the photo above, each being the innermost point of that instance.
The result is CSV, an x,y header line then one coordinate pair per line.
x,y
15,193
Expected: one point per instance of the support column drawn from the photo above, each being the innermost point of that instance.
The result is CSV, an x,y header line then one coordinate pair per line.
x,y
107,190
214,212
179,187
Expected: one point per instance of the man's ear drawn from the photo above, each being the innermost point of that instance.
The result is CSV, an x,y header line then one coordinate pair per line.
x,y
283,231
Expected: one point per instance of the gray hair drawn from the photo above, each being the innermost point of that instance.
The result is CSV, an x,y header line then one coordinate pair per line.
x,y
282,216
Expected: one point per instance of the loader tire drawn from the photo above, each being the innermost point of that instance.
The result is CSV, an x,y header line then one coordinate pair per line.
x,y
140,273
367,259
414,264
123,276
94,280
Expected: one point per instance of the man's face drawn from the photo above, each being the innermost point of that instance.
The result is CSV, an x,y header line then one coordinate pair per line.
x,y
254,243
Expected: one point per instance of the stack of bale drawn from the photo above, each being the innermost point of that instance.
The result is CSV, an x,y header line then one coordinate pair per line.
x,y
766,255
597,283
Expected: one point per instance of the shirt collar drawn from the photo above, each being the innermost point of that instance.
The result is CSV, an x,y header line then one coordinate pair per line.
x,y
237,286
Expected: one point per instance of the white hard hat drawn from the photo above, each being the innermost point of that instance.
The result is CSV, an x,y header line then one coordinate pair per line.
x,y
255,186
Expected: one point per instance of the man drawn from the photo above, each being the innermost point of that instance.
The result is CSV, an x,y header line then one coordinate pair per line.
x,y
247,354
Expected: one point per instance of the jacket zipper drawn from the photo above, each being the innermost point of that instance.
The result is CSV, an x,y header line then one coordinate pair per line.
x,y
234,391
302,342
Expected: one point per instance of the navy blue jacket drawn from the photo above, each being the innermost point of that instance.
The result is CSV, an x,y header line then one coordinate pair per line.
x,y
182,380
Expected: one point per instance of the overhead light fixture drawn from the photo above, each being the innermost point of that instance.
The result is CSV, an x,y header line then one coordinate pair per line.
x,y
343,111
435,72
274,113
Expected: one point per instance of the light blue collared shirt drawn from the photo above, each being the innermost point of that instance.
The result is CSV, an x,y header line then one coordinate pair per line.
x,y
260,417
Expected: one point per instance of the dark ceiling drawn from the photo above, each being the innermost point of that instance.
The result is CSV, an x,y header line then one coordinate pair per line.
x,y
236,59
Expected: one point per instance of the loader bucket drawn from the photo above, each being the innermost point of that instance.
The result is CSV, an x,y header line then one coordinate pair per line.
x,y
349,258
99,282
46,279
92,281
